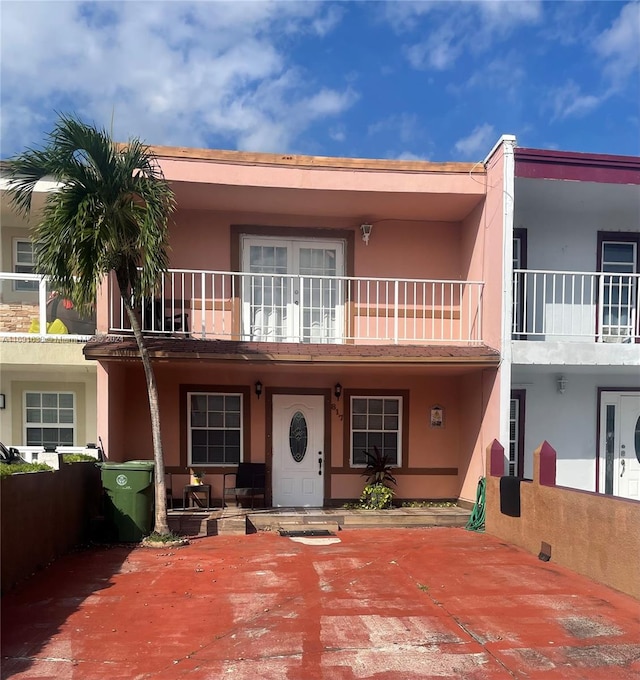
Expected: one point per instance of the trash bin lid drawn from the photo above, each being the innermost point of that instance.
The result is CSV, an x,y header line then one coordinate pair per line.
x,y
130,465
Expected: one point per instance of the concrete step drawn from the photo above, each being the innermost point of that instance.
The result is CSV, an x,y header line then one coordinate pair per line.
x,y
231,526
239,523
405,518
294,521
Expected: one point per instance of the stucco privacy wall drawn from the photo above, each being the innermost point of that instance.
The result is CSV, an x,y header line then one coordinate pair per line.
x,y
44,515
593,534
562,419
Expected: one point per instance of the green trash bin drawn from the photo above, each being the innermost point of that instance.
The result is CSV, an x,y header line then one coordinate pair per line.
x,y
130,498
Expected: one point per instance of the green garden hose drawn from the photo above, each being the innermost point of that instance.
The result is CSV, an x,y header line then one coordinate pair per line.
x,y
476,521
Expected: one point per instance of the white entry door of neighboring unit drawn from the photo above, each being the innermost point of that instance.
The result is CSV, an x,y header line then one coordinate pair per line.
x,y
620,445
628,468
298,450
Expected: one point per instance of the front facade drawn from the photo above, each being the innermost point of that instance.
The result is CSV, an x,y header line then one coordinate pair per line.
x,y
47,389
574,340
315,309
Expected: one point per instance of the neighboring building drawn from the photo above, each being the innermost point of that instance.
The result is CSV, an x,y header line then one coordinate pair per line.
x,y
574,352
316,308
47,388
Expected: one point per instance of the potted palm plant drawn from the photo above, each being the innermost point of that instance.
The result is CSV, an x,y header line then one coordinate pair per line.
x,y
377,494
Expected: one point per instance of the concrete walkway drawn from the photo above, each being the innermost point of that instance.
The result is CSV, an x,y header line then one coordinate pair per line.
x,y
397,604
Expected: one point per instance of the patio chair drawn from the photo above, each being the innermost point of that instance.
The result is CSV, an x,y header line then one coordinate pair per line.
x,y
248,482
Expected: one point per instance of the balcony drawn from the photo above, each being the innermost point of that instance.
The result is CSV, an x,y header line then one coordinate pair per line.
x,y
30,310
260,307
575,306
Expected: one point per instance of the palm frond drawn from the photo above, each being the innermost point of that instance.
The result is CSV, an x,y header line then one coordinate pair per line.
x,y
111,212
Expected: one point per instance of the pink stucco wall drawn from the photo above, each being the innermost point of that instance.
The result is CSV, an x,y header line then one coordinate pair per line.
x,y
459,393
427,225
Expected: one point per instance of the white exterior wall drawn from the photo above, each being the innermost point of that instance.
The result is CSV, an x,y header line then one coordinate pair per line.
x,y
563,218
567,421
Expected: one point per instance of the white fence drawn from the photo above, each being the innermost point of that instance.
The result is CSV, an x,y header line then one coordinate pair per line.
x,y
309,309
572,306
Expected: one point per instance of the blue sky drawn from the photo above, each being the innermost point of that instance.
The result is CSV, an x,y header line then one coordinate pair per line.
x,y
417,80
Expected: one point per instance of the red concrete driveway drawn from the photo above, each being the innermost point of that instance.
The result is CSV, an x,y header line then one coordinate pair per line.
x,y
394,604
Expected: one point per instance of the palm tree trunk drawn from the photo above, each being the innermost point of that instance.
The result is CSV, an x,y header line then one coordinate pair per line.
x,y
161,524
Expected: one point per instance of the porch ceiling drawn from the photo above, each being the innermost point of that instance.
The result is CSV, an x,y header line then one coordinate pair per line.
x,y
124,349
357,205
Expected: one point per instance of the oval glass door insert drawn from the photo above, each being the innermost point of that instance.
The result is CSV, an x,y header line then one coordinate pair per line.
x,y
298,436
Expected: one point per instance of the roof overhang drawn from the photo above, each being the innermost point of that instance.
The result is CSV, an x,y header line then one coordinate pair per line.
x,y
114,349
584,167
356,188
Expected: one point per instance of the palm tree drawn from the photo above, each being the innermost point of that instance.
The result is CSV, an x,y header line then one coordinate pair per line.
x,y
110,214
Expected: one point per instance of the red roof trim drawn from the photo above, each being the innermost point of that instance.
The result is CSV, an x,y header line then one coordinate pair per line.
x,y
572,165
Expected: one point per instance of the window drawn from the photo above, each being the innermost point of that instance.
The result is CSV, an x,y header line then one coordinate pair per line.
x,y
215,428
516,434
519,263
375,421
24,263
49,419
618,254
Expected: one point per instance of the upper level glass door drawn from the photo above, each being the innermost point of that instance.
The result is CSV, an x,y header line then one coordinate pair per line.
x,y
292,293
619,263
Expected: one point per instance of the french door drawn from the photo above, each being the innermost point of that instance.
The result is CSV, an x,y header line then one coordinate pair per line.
x,y
292,291
618,291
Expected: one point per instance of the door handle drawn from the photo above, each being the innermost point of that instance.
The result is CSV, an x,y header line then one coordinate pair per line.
x,y
319,462
622,464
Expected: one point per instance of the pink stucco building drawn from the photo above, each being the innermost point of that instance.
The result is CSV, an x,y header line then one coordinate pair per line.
x,y
315,308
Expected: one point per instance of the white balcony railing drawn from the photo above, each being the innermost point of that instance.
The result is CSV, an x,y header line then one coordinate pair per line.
x,y
308,309
574,306
29,309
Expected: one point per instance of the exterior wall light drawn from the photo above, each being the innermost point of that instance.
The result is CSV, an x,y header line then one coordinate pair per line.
x,y
366,232
337,391
258,388
562,384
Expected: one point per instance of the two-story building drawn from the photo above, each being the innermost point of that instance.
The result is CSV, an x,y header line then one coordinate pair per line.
x,y
317,308
573,343
47,388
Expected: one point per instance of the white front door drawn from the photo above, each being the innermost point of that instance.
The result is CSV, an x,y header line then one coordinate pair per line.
x,y
298,450
620,444
628,467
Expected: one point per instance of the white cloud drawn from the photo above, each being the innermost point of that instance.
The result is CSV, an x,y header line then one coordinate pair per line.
x,y
405,126
183,73
477,143
619,45
569,101
453,28
410,156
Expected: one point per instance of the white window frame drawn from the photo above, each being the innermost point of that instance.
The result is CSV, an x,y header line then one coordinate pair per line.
x,y
24,286
73,426
191,428
398,431
292,304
